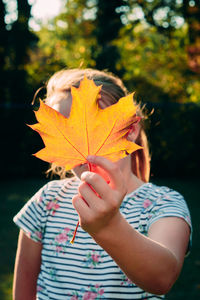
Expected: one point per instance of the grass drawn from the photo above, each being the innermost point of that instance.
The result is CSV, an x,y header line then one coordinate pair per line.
x,y
15,193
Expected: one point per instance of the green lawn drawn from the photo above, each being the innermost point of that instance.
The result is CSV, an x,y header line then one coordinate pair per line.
x,y
15,193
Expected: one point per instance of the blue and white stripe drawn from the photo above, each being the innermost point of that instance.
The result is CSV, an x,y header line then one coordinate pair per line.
x,y
65,272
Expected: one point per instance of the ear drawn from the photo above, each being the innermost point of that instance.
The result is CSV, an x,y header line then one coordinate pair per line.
x,y
133,131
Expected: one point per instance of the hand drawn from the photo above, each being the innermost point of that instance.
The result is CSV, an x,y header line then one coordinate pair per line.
x,y
98,202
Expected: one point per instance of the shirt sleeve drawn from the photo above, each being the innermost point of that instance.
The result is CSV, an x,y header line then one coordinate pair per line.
x,y
170,204
31,217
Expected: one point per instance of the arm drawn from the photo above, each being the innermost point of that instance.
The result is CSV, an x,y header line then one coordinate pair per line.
x,y
152,262
27,267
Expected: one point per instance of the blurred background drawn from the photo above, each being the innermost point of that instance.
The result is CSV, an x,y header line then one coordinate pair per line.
x,y
154,46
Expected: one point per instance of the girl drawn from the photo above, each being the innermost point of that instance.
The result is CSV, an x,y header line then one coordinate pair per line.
x,y
133,235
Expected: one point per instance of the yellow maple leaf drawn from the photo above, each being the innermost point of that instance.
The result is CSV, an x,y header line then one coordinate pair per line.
x,y
89,130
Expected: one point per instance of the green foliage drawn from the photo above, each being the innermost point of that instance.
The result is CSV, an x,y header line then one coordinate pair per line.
x,y
14,44
107,26
152,45
153,62
65,42
157,65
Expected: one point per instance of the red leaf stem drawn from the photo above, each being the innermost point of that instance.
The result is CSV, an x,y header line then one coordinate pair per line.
x,y
77,225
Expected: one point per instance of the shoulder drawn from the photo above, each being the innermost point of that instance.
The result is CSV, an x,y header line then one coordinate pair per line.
x,y
161,191
151,194
167,202
55,187
159,201
32,217
162,194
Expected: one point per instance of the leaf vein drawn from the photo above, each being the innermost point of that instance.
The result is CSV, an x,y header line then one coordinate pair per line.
x,y
109,134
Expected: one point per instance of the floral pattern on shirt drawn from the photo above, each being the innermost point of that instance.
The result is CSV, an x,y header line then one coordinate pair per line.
x,y
36,235
149,208
62,240
126,281
52,206
52,273
145,296
147,203
93,259
39,288
92,293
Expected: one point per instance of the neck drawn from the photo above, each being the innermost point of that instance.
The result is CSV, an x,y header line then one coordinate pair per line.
x,y
133,183
131,180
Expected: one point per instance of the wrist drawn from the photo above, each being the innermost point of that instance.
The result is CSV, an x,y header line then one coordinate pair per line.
x,y
110,233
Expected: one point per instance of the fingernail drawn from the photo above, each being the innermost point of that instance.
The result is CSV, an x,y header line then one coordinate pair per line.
x,y
83,175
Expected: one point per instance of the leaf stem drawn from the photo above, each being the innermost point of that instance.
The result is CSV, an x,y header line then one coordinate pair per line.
x,y
74,235
75,231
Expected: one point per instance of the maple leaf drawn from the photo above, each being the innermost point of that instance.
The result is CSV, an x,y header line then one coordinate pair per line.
x,y
89,130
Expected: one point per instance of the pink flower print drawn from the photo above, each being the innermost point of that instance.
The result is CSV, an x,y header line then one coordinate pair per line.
x,y
39,288
38,235
95,257
101,292
59,249
146,203
129,282
89,296
126,281
61,238
66,229
74,298
52,206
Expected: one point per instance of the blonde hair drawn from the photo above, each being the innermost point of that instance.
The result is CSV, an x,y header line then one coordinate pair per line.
x,y
112,87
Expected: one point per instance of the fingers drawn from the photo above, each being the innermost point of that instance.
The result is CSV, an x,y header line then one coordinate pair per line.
x,y
81,207
98,201
111,168
96,186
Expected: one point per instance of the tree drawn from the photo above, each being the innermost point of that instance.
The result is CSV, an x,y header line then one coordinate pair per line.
x,y
3,50
83,34
144,42
167,16
107,26
15,42
192,17
64,42
156,65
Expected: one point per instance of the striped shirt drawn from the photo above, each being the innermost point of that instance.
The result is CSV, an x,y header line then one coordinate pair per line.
x,y
83,270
